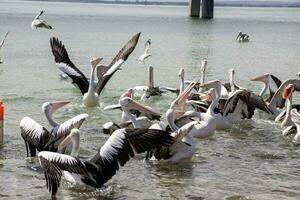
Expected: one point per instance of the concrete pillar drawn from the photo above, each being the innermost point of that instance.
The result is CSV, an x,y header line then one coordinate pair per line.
x,y
207,11
194,8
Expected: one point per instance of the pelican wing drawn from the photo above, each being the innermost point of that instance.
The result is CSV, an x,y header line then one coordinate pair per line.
x,y
62,130
238,100
54,163
2,42
38,15
122,145
119,59
34,135
65,65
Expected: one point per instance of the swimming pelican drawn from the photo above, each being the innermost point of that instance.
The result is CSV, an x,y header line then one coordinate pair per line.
x,y
240,104
242,37
37,137
39,23
151,90
146,54
1,44
104,73
122,145
271,82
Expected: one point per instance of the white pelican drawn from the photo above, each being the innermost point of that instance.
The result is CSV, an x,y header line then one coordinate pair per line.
x,y
271,82
122,145
146,53
296,119
104,73
239,105
39,23
242,37
277,99
151,90
38,137
182,149
1,44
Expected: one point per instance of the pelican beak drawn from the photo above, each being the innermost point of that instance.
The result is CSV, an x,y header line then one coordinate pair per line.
x,y
262,78
209,84
64,143
181,99
181,72
208,95
129,93
142,108
203,66
58,104
95,61
288,90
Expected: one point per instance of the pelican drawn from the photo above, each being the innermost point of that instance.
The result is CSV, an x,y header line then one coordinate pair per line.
x,y
39,23
182,149
296,119
1,44
271,82
37,137
242,37
277,99
122,145
151,90
146,54
104,73
239,105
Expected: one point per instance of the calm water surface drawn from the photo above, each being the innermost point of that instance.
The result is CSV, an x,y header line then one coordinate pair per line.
x,y
249,161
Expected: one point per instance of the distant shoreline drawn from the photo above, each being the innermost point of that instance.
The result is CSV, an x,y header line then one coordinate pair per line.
x,y
218,4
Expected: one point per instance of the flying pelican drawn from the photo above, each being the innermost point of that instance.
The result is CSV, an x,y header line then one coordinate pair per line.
x,y
271,82
37,137
242,37
146,54
122,145
1,44
104,73
39,23
151,90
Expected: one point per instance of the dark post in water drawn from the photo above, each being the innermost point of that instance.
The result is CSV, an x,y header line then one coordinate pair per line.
x,y
195,8
207,11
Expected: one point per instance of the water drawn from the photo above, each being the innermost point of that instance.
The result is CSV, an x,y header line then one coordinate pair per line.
x,y
249,161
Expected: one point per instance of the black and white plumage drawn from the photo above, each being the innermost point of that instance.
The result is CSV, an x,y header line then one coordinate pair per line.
x,y
39,23
146,53
122,145
37,137
2,43
104,73
242,37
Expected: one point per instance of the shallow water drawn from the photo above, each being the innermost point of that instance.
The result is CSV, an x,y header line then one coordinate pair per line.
x,y
250,161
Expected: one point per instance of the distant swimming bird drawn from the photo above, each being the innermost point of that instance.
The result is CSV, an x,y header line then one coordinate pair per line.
x,y
122,145
37,137
104,73
1,44
39,23
242,37
146,54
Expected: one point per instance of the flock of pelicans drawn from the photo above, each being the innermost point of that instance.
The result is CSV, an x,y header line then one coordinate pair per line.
x,y
212,106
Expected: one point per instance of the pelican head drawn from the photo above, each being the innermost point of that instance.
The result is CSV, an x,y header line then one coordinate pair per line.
x,y
51,107
262,78
211,94
95,61
130,104
180,101
287,92
128,93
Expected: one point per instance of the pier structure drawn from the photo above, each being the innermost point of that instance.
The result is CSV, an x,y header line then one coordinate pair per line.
x,y
207,11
